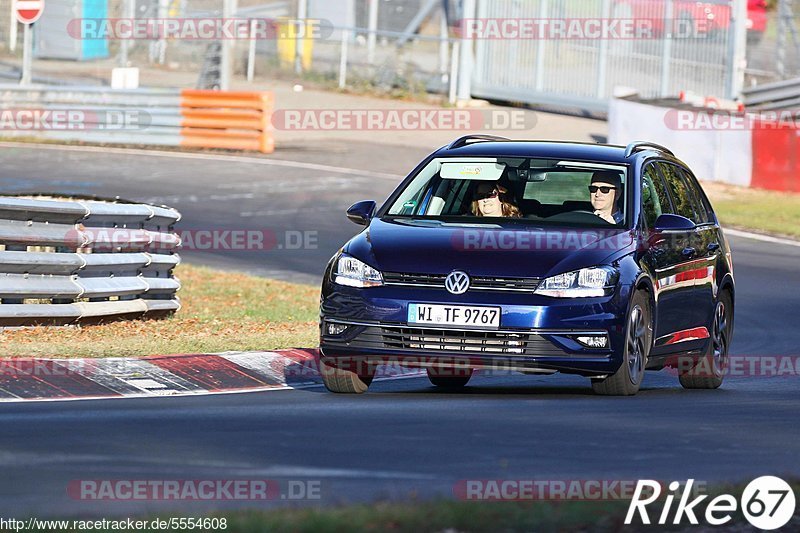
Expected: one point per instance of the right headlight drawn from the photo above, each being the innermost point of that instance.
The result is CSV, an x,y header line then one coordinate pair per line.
x,y
354,273
583,283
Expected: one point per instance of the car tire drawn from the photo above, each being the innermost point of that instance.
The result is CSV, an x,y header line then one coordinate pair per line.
x,y
638,341
449,382
344,381
708,371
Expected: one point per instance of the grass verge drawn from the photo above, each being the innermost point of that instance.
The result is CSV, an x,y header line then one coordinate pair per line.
x,y
221,311
758,210
491,516
446,515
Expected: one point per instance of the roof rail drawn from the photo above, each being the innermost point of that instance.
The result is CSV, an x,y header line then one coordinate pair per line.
x,y
635,146
462,141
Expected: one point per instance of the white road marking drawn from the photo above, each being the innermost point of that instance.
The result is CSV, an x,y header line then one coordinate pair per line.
x,y
269,365
144,376
146,384
207,157
303,471
759,237
272,212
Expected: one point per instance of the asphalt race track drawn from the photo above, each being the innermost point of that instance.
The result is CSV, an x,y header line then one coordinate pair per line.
x,y
404,438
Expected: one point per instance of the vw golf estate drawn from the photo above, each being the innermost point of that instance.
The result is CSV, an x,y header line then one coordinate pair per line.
x,y
533,257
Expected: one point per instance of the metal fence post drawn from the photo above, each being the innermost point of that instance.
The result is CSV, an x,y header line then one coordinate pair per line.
x,y
302,14
343,59
444,41
540,49
602,60
161,45
453,95
737,50
784,15
251,51
226,55
479,72
12,29
372,36
129,10
666,51
27,53
467,59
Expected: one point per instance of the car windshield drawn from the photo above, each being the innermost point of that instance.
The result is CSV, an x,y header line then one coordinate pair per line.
x,y
493,190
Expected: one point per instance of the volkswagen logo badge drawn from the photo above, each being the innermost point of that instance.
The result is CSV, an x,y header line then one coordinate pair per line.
x,y
457,282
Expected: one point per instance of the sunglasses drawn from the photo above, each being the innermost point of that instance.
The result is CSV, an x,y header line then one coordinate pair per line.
x,y
484,195
605,190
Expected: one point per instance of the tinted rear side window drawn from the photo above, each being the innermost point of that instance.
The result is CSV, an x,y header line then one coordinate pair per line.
x,y
655,200
679,192
701,202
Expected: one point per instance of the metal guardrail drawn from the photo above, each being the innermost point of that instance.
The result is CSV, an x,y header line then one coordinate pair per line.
x,y
64,261
779,95
158,117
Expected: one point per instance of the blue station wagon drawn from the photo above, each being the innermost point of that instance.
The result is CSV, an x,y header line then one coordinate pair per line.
x,y
534,257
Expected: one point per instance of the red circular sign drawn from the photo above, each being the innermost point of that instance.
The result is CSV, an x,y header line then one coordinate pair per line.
x,y
28,11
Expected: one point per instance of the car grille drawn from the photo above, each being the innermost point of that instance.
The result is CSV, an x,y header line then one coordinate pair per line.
x,y
477,283
404,339
455,341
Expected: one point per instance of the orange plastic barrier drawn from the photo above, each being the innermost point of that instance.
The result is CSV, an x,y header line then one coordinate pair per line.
x,y
227,119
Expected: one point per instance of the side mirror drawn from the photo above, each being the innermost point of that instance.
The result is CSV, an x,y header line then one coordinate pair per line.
x,y
362,212
669,222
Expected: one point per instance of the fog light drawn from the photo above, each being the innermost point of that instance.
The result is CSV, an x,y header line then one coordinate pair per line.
x,y
593,341
336,329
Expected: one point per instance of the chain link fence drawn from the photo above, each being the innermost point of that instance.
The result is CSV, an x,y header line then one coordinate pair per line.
x,y
775,54
410,46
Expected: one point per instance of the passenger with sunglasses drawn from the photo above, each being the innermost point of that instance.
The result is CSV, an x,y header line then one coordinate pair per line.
x,y
493,200
604,191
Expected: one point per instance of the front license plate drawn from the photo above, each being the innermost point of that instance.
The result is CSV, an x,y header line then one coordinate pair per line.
x,y
454,315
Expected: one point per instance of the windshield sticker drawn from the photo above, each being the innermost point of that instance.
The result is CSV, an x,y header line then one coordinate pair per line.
x,y
472,171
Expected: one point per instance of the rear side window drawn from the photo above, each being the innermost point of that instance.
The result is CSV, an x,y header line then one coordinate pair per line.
x,y
679,192
655,200
702,204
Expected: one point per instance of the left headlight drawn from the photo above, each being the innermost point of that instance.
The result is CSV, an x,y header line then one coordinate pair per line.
x,y
583,283
354,273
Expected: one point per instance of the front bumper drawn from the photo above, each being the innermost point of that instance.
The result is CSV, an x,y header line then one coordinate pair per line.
x,y
536,334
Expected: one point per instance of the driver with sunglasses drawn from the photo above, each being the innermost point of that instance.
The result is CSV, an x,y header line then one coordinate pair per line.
x,y
604,191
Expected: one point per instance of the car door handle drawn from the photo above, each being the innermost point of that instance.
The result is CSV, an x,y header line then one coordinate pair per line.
x,y
713,247
688,252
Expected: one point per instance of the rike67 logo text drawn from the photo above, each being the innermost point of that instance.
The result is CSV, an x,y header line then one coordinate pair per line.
x,y
767,503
